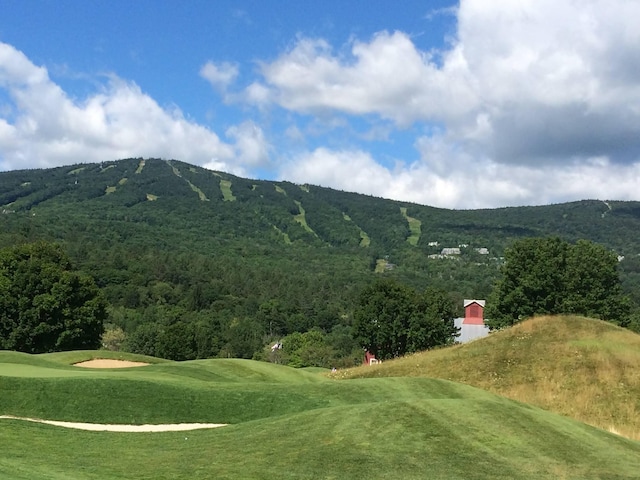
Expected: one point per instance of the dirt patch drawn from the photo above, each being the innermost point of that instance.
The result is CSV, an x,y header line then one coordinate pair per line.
x,y
101,427
109,363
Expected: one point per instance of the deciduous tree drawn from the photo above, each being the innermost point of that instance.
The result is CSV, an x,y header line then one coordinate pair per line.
x,y
393,319
45,305
551,276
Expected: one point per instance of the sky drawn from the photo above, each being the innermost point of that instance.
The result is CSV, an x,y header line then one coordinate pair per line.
x,y
465,105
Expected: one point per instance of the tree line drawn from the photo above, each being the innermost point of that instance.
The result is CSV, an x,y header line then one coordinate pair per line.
x,y
48,305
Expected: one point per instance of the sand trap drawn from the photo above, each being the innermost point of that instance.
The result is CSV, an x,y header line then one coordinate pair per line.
x,y
101,427
108,363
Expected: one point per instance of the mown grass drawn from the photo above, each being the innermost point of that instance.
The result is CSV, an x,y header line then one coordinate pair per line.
x,y
225,188
301,218
414,227
586,369
285,423
421,439
77,356
365,241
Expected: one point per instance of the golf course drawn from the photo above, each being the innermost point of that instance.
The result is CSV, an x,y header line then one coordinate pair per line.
x,y
280,422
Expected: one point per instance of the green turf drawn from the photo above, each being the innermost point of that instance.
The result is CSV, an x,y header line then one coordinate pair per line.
x,y
225,188
285,423
302,219
584,368
414,227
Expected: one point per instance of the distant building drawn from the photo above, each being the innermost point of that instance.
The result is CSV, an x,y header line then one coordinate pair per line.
x,y
482,251
472,326
370,359
450,251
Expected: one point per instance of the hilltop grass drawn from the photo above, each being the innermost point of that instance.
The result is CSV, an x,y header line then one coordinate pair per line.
x,y
301,218
288,423
365,241
225,188
582,368
77,356
140,166
414,227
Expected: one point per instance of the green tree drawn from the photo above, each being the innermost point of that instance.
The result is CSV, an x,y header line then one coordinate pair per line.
x,y
309,349
45,305
393,319
113,338
143,339
548,276
177,342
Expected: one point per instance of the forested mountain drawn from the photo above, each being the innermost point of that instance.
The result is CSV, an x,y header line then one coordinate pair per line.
x,y
237,262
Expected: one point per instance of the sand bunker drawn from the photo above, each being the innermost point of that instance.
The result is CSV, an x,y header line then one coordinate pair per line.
x,y
100,427
108,363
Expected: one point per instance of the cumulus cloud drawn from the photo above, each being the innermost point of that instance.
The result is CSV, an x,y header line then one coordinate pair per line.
x,y
251,146
388,76
220,75
472,183
48,128
524,81
533,101
529,102
558,80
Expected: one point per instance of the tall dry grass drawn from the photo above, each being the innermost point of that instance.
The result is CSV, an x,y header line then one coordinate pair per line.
x,y
582,368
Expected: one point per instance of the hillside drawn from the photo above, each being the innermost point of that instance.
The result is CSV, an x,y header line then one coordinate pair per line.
x,y
283,423
144,191
238,261
582,368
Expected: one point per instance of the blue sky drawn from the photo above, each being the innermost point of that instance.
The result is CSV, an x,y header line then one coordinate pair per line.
x,y
461,105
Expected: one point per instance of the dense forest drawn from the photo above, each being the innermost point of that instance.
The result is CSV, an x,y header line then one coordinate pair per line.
x,y
196,263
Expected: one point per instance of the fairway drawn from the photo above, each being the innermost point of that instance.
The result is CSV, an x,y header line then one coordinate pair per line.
x,y
283,423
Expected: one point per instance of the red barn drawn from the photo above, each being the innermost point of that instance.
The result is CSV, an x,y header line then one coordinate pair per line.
x,y
472,325
473,312
370,358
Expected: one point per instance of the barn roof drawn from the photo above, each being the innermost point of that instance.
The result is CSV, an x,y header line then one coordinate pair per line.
x,y
479,302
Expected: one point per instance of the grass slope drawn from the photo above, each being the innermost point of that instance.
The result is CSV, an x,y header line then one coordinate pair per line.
x,y
286,423
586,369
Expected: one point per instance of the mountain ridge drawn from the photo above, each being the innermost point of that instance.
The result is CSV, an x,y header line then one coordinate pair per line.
x,y
172,242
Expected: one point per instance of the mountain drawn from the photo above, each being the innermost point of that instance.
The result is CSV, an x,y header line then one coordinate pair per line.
x,y
168,242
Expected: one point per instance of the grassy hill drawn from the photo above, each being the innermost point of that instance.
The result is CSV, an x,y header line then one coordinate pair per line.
x,y
582,368
284,423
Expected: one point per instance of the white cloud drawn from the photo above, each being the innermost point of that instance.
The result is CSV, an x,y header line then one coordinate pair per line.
x,y
220,75
450,178
251,146
388,76
525,81
558,80
48,128
531,102
353,170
